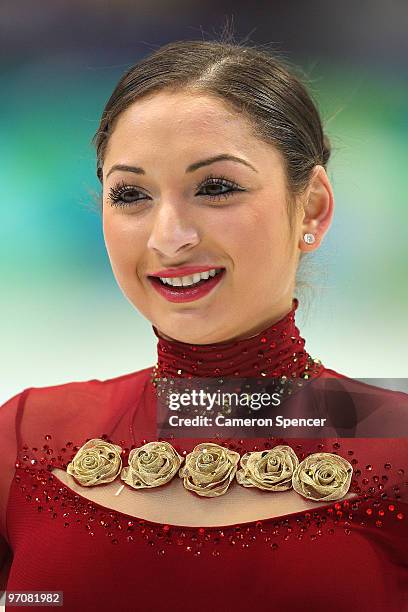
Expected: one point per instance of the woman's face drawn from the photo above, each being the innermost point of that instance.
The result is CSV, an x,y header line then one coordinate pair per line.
x,y
175,216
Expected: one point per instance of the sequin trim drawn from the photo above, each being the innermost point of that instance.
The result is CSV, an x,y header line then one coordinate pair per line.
x,y
372,508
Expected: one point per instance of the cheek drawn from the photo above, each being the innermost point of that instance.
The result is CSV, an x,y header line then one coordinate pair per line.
x,y
259,240
122,244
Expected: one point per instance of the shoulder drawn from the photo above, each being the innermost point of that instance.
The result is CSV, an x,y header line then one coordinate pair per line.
x,y
378,388
69,411
76,392
363,405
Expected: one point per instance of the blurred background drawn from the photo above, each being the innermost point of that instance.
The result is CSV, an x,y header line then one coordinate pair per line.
x,y
63,316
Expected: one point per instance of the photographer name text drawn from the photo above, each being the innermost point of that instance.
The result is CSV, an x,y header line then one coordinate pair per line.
x,y
221,420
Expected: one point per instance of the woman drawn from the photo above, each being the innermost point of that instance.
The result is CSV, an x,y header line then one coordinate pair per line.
x,y
213,164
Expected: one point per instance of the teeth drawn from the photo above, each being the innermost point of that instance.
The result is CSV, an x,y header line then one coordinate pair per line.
x,y
186,281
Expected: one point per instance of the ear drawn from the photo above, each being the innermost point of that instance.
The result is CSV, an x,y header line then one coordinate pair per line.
x,y
318,209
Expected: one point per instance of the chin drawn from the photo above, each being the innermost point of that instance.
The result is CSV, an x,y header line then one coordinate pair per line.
x,y
190,333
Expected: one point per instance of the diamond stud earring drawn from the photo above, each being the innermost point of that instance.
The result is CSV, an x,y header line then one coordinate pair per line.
x,y
309,238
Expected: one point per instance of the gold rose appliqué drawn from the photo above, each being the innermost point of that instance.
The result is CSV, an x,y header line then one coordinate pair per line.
x,y
209,469
96,462
151,465
323,477
270,470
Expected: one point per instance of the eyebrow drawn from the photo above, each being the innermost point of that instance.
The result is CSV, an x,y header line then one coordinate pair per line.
x,y
191,168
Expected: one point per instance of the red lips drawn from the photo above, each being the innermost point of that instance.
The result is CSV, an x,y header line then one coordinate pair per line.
x,y
190,293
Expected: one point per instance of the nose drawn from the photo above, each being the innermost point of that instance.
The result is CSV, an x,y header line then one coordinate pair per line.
x,y
172,231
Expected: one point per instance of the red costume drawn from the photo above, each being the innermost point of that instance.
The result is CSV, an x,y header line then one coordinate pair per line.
x,y
349,554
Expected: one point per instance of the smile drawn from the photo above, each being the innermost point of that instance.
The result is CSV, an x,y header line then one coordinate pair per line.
x,y
187,288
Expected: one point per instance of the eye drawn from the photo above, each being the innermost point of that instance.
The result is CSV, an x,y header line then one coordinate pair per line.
x,y
216,183
123,195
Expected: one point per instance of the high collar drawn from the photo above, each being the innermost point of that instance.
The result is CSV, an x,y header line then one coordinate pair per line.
x,y
278,350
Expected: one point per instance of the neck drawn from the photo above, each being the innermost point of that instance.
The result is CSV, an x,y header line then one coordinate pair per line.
x,y
277,350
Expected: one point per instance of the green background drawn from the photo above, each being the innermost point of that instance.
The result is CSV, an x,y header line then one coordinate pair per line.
x,y
64,318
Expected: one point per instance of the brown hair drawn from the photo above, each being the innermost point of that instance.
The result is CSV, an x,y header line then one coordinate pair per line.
x,y
256,83
262,87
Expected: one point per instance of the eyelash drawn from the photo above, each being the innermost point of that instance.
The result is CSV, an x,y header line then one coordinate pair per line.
x,y
117,192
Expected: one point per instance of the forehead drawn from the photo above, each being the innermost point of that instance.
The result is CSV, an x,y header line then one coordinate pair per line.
x,y
188,124
172,111
168,117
